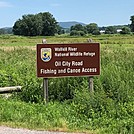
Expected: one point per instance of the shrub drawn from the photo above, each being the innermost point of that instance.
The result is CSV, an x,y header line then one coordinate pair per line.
x,y
77,33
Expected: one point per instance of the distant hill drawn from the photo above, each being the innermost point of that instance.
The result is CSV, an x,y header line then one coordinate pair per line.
x,y
69,24
6,30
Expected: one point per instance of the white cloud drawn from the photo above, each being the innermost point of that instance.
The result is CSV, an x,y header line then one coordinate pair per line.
x,y
5,4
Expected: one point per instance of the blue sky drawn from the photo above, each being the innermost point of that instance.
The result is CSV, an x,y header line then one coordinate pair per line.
x,y
102,12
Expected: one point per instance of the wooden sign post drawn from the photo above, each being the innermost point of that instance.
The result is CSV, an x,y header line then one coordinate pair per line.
x,y
45,82
91,82
45,89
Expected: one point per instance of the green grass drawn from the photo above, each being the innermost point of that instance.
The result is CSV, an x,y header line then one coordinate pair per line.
x,y
109,110
53,116
11,40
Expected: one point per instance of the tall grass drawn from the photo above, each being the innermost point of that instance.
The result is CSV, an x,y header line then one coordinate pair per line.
x,y
109,110
11,40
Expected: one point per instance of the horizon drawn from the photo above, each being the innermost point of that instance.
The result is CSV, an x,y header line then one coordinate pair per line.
x,y
77,22
104,13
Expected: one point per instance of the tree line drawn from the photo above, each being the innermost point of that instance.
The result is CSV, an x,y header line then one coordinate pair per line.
x,y
44,24
93,28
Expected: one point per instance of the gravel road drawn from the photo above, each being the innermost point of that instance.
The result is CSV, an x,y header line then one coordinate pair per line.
x,y
7,130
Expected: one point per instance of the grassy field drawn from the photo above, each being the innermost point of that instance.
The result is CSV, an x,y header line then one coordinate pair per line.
x,y
11,40
109,110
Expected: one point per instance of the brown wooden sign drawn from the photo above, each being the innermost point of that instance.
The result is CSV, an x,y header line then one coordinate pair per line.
x,y
59,60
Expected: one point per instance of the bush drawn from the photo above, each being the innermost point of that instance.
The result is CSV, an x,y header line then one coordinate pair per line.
x,y
77,33
125,30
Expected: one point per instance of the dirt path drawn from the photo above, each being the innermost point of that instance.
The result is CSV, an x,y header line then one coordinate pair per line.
x,y
8,130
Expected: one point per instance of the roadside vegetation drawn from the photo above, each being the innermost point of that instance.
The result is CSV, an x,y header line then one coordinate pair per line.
x,y
71,107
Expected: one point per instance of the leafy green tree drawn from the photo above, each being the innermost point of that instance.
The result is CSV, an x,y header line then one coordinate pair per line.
x,y
132,23
60,30
49,24
110,30
81,33
125,30
74,33
77,33
40,24
77,30
77,27
29,25
92,27
17,28
96,32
